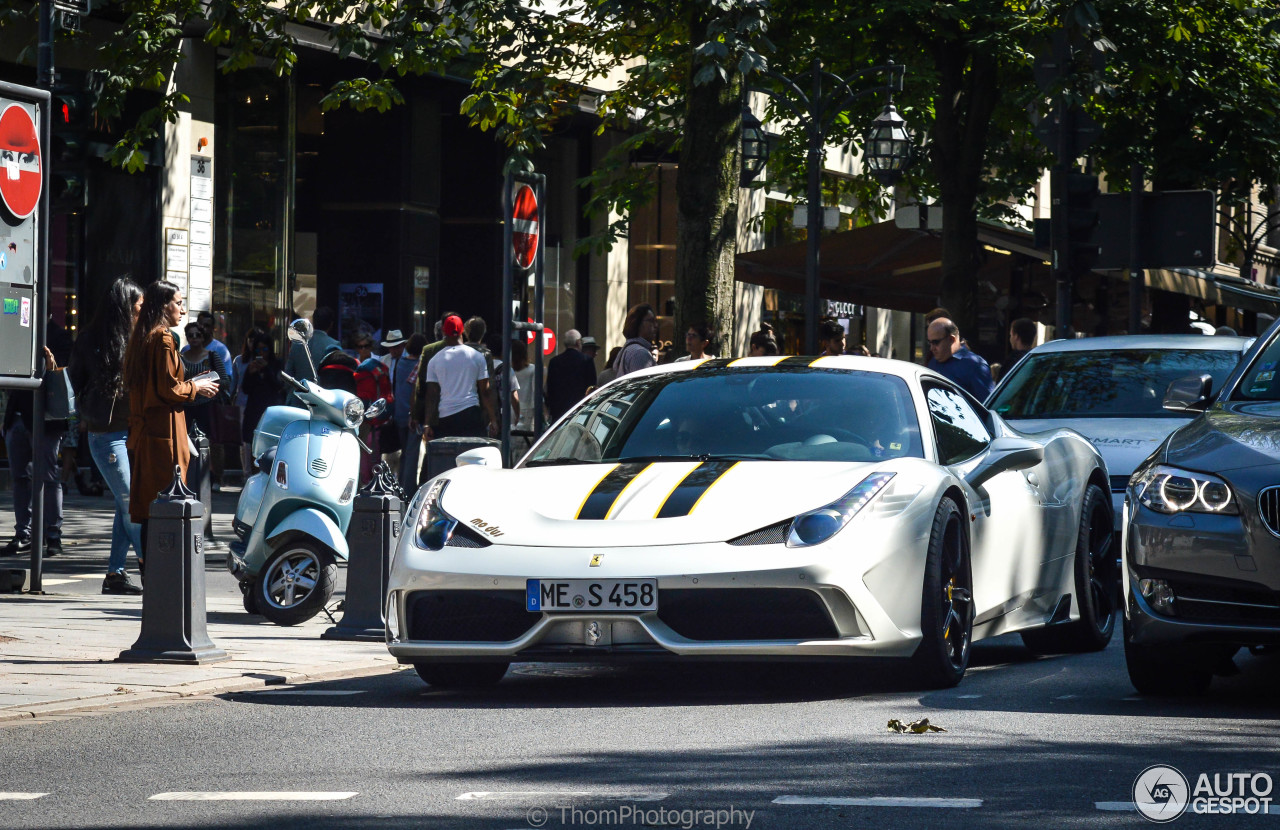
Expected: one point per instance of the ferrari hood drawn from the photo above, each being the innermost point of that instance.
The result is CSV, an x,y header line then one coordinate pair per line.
x,y
1123,443
661,503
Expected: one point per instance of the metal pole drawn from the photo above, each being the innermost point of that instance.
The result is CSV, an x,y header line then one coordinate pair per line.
x,y
1136,274
1059,221
40,312
539,303
504,405
814,215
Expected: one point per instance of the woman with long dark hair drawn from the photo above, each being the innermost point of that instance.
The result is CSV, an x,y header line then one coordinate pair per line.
x,y
97,374
157,393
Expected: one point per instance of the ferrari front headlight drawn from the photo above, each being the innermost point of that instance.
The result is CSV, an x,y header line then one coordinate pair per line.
x,y
353,412
820,525
1170,490
434,526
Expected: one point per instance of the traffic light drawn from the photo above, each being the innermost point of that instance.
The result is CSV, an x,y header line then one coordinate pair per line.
x,y
1082,218
70,113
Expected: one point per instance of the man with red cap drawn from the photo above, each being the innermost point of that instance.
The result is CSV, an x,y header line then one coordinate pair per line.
x,y
456,389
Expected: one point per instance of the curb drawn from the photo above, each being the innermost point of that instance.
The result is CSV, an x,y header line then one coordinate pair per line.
x,y
196,688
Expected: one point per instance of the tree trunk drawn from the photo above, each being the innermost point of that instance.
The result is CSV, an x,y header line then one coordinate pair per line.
x,y
707,207
967,97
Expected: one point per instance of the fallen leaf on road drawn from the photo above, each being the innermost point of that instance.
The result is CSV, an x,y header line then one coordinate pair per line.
x,y
122,689
916,727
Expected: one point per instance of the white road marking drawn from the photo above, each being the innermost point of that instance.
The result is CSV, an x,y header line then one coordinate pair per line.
x,y
21,796
1116,806
515,795
251,796
962,803
48,581
312,692
968,697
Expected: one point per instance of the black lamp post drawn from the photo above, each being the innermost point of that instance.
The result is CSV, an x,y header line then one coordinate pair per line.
x,y
816,110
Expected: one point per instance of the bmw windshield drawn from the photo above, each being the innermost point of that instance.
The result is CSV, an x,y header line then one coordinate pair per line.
x,y
1126,383
765,413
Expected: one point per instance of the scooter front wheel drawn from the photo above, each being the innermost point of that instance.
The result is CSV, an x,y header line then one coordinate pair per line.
x,y
295,583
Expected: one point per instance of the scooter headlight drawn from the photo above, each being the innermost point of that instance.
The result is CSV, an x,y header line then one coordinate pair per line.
x,y
434,525
353,412
821,524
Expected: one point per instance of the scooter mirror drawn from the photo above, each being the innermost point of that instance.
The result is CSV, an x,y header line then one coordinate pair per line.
x,y
376,409
301,330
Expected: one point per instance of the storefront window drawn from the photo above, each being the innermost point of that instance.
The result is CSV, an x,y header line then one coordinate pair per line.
x,y
651,265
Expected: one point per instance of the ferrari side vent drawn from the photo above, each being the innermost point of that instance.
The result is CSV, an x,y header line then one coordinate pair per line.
x,y
465,537
1269,508
774,534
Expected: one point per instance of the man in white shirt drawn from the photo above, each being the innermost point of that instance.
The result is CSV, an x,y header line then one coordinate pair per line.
x,y
457,389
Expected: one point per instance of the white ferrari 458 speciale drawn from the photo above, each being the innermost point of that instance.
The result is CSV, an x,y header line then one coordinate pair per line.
x,y
758,508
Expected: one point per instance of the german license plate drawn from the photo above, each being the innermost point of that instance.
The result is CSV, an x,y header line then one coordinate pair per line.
x,y
592,595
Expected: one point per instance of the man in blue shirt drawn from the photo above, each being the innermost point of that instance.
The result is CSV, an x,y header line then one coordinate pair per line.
x,y
952,360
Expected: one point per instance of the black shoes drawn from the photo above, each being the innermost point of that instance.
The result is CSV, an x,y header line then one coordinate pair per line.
x,y
15,547
52,547
119,583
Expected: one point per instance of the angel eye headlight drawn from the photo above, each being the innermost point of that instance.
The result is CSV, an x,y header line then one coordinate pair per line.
x,y
353,412
434,526
821,524
1170,490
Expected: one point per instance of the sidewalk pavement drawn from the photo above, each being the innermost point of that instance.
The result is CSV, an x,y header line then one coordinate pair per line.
x,y
57,649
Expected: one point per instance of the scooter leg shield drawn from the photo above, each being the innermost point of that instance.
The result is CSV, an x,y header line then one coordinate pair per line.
x,y
313,523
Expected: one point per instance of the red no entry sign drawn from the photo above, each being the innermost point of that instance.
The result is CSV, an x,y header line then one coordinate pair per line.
x,y
524,227
20,175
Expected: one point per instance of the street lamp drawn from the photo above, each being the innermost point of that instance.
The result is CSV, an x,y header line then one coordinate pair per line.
x,y
816,110
755,147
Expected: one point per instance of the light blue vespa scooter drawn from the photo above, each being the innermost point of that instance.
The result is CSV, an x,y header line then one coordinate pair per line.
x,y
293,513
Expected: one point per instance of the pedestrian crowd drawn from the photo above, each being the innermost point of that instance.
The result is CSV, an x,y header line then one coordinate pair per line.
x,y
142,402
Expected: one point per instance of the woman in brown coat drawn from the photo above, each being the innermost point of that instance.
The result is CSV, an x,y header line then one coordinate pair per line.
x,y
157,392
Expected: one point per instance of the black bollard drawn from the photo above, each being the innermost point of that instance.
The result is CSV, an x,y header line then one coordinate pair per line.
x,y
442,453
373,532
200,474
173,605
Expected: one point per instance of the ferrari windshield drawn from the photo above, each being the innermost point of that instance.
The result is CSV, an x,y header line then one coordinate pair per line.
x,y
769,413
1118,383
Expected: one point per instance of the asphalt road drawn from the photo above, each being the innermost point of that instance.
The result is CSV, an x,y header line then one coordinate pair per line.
x,y
1029,743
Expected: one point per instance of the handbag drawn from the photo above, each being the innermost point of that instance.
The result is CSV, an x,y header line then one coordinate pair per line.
x,y
59,397
224,425
389,438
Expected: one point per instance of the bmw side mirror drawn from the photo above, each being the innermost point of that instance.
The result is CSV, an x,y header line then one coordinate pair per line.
x,y
480,457
1005,454
1190,394
301,330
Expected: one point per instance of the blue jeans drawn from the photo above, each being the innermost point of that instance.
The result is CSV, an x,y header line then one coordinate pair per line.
x,y
111,456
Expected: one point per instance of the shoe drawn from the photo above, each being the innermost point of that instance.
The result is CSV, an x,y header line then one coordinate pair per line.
x,y
52,547
16,546
119,583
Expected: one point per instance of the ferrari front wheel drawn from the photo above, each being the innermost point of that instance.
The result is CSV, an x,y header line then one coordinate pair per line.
x,y
946,609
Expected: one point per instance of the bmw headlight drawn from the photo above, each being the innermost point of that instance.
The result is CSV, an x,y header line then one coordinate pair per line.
x,y
434,525
353,412
1169,490
821,524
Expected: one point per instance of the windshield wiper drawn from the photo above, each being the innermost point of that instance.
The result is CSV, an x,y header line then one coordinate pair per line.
x,y
556,462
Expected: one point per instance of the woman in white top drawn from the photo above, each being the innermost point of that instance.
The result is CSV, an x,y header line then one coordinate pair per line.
x,y
697,340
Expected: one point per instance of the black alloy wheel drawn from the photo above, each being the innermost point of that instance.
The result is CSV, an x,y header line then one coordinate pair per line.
x,y
946,611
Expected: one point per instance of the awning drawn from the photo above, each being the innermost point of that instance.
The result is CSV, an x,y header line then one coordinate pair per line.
x,y
879,265
885,266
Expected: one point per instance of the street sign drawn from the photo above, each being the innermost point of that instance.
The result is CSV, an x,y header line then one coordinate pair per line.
x,y
524,227
548,341
919,217
20,173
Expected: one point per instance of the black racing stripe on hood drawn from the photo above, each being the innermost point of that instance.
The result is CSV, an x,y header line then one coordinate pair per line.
x,y
798,360
716,363
692,487
610,487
